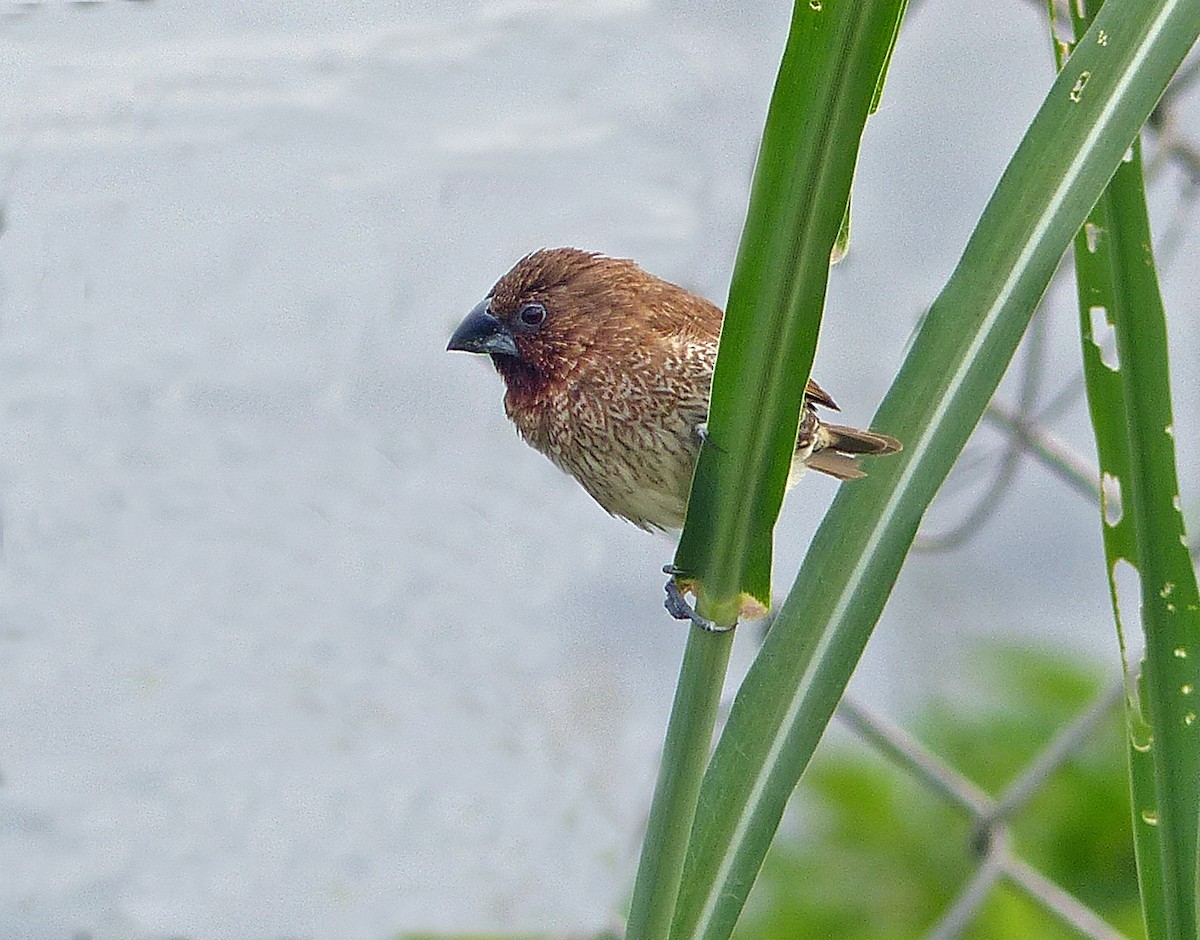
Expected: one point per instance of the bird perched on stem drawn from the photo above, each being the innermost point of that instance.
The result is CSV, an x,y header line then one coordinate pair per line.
x,y
608,371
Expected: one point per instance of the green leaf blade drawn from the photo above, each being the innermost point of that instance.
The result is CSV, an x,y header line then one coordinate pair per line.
x,y
1170,600
954,366
1130,407
685,755
827,81
829,74
1106,405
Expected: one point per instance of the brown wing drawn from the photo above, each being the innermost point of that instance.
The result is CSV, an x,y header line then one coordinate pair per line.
x,y
699,320
835,464
690,314
818,396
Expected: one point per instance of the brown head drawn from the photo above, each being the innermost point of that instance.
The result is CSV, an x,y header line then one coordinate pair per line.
x,y
559,306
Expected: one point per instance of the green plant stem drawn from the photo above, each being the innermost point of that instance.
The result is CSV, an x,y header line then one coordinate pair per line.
x,y
1089,117
828,79
1170,606
1095,276
1147,845
1130,407
685,755
1094,272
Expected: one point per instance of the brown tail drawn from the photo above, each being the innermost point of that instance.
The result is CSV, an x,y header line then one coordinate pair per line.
x,y
838,447
854,441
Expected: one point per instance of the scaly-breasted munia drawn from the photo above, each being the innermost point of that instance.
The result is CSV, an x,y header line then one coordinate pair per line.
x,y
608,371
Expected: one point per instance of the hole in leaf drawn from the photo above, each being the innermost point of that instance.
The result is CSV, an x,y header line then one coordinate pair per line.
x,y
1104,337
1110,499
1129,595
1080,85
1091,232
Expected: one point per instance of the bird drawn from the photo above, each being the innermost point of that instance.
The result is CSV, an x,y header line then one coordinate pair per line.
x,y
607,371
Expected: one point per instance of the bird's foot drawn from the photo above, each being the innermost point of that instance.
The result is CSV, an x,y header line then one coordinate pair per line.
x,y
678,607
702,435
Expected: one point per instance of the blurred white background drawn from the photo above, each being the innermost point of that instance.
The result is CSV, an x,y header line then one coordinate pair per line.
x,y
296,638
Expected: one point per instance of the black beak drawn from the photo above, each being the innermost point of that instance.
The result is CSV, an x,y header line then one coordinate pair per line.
x,y
481,332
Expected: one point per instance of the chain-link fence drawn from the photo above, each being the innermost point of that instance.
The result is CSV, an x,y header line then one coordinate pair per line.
x,y
1026,429
1027,435
995,858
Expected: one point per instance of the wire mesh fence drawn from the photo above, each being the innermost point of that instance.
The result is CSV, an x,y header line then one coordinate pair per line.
x,y
996,859
1025,427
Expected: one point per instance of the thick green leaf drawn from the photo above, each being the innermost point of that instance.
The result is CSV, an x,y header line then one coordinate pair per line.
x,y
1091,115
1131,412
827,82
685,755
1170,601
1097,273
1107,405
1094,268
830,74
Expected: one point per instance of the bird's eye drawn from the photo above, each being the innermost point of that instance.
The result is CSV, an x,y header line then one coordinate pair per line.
x,y
531,316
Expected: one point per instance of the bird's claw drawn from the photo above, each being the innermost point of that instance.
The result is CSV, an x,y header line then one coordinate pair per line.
x,y
678,607
702,435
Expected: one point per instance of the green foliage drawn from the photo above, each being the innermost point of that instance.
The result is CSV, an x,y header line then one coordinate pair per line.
x,y
953,367
1090,116
685,755
1131,415
828,80
607,935
870,854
